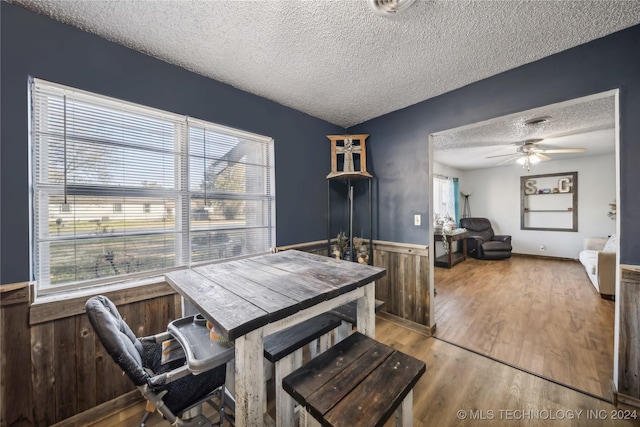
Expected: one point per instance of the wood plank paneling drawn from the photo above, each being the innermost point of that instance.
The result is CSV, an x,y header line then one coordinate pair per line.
x,y
55,346
629,346
16,404
57,368
65,367
42,374
50,308
86,357
405,287
319,247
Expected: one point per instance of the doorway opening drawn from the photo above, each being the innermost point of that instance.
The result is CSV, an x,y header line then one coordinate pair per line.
x,y
532,311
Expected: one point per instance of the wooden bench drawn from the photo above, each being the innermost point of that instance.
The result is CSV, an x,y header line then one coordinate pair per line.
x,y
284,349
359,381
349,315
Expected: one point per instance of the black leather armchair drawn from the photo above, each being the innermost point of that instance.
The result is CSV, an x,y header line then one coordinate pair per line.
x,y
482,243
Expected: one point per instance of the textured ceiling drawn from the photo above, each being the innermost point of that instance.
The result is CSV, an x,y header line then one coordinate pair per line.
x,y
337,60
582,123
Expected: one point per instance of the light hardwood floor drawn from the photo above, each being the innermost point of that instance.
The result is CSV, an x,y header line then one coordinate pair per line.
x,y
462,388
541,315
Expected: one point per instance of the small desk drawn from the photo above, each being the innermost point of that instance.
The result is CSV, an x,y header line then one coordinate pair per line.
x,y
251,298
450,259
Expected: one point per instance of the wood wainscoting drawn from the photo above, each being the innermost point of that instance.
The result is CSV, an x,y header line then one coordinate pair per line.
x,y
54,369
629,343
57,368
405,287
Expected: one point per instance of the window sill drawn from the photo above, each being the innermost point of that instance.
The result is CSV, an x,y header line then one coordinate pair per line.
x,y
59,306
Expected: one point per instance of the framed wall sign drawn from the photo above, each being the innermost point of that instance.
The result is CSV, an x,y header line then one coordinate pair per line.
x,y
549,202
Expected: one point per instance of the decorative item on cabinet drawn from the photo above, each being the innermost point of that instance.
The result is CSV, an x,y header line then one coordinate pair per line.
x,y
348,156
349,168
362,250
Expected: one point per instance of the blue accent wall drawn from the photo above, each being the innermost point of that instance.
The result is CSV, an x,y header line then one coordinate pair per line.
x,y
33,45
398,145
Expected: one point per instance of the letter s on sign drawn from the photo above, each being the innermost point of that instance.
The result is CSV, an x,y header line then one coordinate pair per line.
x,y
530,187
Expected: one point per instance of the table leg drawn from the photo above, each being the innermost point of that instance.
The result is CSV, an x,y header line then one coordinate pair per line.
x,y
249,378
464,248
404,413
367,311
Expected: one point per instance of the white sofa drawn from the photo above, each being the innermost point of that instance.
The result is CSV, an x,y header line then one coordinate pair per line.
x,y
599,259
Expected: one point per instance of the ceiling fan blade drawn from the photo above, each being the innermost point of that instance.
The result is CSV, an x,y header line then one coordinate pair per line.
x,y
501,155
563,150
542,157
508,160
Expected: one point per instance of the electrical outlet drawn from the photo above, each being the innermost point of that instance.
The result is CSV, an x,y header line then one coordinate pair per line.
x,y
543,248
417,220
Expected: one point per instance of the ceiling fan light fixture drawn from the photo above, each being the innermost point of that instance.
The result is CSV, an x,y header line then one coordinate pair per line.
x,y
528,160
390,7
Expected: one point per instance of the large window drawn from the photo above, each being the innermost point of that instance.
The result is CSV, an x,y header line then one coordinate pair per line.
x,y
122,191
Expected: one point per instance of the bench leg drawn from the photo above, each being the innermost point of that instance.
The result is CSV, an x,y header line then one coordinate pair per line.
x,y
268,368
306,420
404,413
319,345
342,331
313,349
285,404
325,342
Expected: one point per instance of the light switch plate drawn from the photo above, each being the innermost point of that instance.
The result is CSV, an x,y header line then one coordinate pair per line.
x,y
417,220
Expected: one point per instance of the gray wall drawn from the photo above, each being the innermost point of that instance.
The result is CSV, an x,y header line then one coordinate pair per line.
x,y
399,141
37,46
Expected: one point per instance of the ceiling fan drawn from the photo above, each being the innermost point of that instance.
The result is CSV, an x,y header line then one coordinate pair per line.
x,y
529,153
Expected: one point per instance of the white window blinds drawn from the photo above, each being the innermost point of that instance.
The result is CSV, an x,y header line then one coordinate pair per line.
x,y
122,191
230,192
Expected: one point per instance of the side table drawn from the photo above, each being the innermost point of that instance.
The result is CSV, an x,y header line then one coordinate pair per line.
x,y
451,258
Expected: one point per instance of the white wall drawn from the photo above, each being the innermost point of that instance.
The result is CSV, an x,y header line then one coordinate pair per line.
x,y
444,170
495,194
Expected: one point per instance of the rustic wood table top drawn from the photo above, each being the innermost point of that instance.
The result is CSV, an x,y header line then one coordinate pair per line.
x,y
243,295
249,298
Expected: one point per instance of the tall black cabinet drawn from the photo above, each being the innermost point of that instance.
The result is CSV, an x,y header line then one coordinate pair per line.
x,y
348,187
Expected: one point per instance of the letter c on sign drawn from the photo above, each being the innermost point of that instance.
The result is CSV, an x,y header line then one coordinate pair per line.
x,y
564,185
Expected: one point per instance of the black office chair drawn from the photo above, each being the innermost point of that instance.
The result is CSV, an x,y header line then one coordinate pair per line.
x,y
170,388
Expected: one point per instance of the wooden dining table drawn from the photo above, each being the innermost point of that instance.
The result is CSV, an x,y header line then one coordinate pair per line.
x,y
248,299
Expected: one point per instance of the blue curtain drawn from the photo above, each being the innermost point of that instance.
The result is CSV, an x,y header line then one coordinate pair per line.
x,y
456,198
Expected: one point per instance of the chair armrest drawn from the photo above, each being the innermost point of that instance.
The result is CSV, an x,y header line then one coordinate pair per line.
x,y
162,336
607,272
474,246
594,243
502,238
160,380
477,239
